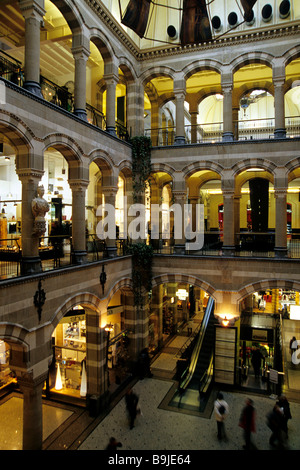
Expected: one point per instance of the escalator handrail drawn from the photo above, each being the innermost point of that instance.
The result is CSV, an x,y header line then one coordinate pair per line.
x,y
188,373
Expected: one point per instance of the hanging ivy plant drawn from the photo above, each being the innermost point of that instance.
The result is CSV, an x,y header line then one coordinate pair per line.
x,y
141,164
142,255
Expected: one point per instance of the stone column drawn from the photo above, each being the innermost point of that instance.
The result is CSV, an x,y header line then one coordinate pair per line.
x,y
33,12
111,81
194,125
237,200
32,411
157,306
180,200
179,92
31,262
228,233
135,109
280,130
81,54
78,188
110,199
227,113
281,223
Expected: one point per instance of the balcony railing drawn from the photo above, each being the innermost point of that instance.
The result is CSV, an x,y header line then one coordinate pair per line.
x,y
248,244
251,129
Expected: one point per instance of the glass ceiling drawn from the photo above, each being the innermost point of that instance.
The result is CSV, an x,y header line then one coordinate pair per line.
x,y
226,17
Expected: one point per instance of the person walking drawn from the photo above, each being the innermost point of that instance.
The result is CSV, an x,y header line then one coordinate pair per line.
x,y
113,444
247,423
276,424
131,404
221,409
284,407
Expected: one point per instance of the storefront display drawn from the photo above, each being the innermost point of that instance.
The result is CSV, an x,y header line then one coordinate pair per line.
x,y
70,353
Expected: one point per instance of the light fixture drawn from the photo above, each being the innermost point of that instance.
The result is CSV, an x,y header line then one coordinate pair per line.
x,y
83,385
109,327
58,381
7,158
225,322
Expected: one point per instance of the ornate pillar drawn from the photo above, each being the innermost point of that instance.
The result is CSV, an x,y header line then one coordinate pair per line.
x,y
31,262
111,81
180,92
281,222
78,188
228,232
33,12
110,199
180,199
81,55
227,112
135,109
194,125
32,410
280,130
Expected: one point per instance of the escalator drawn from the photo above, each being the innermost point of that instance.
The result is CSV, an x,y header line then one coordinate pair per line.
x,y
202,353
196,380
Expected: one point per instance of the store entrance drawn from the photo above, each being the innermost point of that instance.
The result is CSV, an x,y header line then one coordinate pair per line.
x,y
256,358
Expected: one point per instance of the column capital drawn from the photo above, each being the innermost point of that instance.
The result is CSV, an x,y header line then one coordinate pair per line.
x,y
28,381
78,185
32,9
27,174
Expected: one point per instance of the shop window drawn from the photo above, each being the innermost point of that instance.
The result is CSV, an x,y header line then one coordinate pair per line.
x,y
69,368
6,375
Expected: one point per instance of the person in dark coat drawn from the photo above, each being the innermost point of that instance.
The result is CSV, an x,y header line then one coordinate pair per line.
x,y
113,444
131,404
285,409
256,361
276,424
247,423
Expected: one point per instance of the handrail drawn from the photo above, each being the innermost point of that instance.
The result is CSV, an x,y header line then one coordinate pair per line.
x,y
189,371
207,376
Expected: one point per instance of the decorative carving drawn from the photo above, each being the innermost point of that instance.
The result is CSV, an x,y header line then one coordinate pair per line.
x,y
39,208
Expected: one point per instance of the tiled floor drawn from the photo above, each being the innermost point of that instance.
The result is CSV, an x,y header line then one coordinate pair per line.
x,y
159,427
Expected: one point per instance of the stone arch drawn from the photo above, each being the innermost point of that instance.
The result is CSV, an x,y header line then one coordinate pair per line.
x,y
70,12
164,168
265,285
254,163
199,65
291,54
70,150
17,134
103,161
192,168
156,72
84,298
124,283
184,278
102,43
258,57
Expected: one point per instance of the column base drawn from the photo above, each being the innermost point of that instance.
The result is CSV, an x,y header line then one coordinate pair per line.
x,y
228,250
30,265
179,249
79,257
179,140
111,130
280,133
33,87
280,252
111,251
227,137
81,113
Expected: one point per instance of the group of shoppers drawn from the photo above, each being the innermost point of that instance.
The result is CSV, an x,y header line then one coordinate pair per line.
x,y
277,421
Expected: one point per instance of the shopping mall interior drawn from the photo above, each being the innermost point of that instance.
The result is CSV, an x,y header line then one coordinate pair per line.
x,y
120,123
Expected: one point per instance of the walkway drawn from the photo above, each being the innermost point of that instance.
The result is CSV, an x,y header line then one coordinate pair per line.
x,y
158,428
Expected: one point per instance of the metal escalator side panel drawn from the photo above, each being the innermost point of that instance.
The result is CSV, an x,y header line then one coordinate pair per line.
x,y
196,351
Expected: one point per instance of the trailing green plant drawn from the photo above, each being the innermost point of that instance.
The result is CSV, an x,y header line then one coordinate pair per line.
x,y
141,164
142,256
